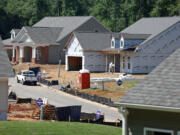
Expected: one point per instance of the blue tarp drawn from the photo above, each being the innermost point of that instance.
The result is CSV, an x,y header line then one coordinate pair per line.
x,y
131,43
128,43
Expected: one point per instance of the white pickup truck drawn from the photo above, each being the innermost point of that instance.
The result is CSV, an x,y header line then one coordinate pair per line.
x,y
26,76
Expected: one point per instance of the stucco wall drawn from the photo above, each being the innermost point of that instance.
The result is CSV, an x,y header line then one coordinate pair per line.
x,y
138,119
156,50
3,95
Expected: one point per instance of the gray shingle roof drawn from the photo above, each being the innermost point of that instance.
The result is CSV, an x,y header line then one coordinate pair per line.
x,y
68,23
160,88
94,41
101,41
151,26
5,66
7,42
16,31
43,35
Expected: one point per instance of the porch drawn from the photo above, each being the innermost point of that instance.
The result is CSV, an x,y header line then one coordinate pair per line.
x,y
122,61
30,53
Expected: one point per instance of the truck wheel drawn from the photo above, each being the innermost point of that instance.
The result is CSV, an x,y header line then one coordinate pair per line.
x,y
35,83
22,82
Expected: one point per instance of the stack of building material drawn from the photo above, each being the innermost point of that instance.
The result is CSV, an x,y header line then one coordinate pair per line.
x,y
36,114
49,112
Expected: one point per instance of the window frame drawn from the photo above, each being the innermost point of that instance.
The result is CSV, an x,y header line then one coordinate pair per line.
x,y
113,42
38,53
158,130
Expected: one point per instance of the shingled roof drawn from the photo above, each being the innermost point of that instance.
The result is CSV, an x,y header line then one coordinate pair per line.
x,y
42,35
96,41
68,23
5,66
151,26
161,88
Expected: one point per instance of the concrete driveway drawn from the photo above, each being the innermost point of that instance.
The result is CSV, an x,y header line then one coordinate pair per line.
x,y
60,99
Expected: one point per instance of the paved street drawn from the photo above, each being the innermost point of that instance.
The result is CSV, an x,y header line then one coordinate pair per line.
x,y
60,99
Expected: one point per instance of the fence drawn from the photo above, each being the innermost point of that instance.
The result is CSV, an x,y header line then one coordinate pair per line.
x,y
95,98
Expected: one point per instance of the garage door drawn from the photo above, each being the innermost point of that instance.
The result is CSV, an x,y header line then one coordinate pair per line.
x,y
75,63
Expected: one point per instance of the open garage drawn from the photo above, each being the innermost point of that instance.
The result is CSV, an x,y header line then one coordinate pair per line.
x,y
74,63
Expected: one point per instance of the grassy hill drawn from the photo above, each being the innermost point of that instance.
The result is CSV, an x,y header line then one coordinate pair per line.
x,y
56,128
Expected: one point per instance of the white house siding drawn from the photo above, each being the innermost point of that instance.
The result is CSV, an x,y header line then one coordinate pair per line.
x,y
94,61
74,49
3,99
156,50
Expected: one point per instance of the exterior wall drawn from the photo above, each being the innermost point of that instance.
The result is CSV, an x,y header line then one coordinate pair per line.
x,y
156,50
74,49
3,99
27,54
61,47
44,55
54,54
126,58
138,119
94,61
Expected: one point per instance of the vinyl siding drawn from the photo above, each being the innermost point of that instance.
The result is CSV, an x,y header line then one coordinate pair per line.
x,y
3,95
138,119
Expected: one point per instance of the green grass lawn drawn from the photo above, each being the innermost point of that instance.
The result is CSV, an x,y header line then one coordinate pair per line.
x,y
112,86
56,128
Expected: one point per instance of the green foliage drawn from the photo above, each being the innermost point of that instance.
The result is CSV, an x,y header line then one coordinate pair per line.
x,y
56,128
114,14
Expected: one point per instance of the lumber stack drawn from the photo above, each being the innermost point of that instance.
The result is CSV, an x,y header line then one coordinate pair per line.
x,y
36,114
49,112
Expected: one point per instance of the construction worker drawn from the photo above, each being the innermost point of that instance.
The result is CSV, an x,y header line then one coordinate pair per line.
x,y
111,67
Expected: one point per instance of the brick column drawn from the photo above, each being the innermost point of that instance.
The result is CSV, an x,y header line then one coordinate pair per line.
x,y
21,55
33,59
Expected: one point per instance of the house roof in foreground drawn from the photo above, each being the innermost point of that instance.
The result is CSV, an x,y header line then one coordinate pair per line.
x,y
161,88
151,26
5,66
68,23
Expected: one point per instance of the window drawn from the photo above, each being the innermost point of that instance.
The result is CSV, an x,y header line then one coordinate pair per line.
x,y
129,63
112,44
123,63
154,131
38,53
122,42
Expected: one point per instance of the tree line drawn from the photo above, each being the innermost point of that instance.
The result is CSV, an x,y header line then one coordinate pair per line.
x,y
114,14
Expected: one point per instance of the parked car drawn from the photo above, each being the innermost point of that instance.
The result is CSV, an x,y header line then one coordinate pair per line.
x,y
26,76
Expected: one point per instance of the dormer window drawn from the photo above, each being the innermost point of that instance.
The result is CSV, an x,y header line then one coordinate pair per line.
x,y
113,43
122,42
12,35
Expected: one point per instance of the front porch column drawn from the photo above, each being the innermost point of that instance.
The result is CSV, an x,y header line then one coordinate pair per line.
x,y
67,64
124,113
33,60
13,55
106,63
21,54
